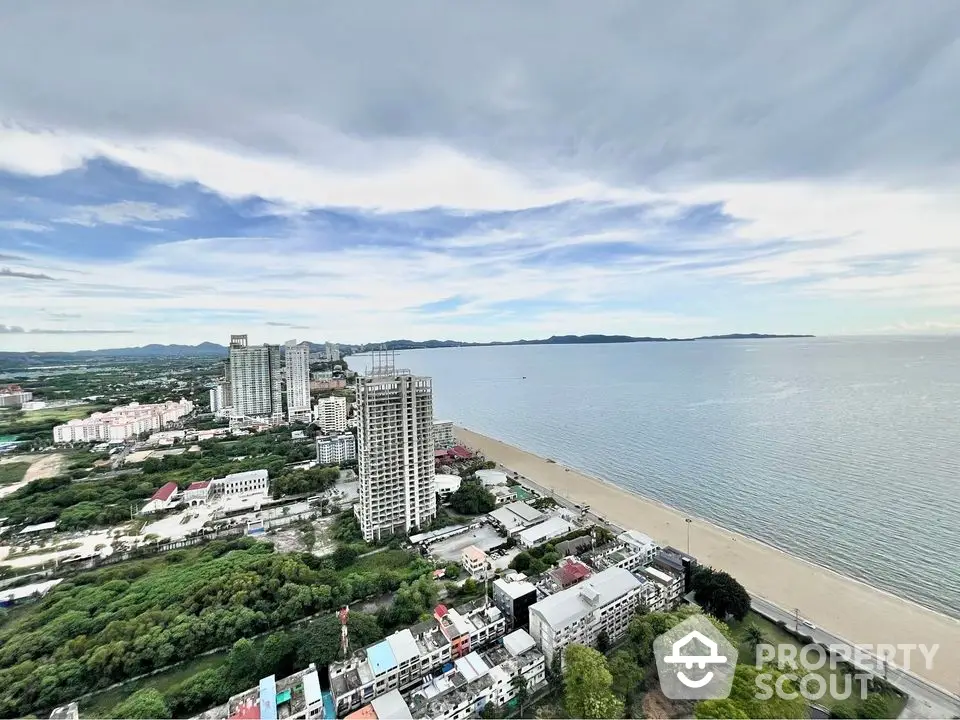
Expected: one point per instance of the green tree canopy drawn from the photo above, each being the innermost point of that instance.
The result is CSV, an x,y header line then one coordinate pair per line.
x,y
472,499
145,704
588,685
719,594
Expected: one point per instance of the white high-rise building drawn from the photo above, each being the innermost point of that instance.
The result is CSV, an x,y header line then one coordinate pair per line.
x,y
331,352
331,414
395,451
297,363
255,379
216,399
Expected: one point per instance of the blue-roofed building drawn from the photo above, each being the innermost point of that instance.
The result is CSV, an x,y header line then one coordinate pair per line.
x,y
268,698
381,658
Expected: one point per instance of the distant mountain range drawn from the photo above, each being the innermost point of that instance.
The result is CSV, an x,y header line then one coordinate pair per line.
x,y
208,349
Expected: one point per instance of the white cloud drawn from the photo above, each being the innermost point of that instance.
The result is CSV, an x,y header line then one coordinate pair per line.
x,y
23,226
120,213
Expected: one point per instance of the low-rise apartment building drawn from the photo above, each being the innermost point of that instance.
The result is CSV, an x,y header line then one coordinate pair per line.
x,y
467,686
336,448
123,422
670,582
330,414
514,595
605,602
401,660
295,697
475,561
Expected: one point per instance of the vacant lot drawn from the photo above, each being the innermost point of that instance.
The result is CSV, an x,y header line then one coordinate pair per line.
x,y
484,537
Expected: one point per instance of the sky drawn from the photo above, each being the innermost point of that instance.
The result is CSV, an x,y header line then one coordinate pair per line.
x,y
356,172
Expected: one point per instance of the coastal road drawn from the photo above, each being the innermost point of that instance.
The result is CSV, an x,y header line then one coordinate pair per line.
x,y
926,699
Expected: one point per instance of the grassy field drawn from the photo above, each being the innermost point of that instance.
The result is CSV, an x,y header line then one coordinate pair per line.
x,y
100,704
62,414
775,635
12,472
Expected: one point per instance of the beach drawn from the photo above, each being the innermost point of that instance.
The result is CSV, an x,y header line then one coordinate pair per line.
x,y
850,609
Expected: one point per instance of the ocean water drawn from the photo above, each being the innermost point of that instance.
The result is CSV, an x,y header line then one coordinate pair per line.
x,y
845,452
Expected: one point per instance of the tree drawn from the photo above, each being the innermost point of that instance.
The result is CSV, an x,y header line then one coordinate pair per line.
x,y
603,641
755,636
555,673
145,704
748,697
519,685
628,676
588,685
719,594
451,571
472,499
521,563
724,709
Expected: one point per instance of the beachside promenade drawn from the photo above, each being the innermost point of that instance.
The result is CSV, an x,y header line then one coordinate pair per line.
x,y
843,607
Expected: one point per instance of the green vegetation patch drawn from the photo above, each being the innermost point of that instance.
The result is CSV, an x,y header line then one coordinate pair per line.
x,y
13,472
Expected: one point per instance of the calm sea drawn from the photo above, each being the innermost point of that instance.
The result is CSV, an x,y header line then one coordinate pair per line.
x,y
842,451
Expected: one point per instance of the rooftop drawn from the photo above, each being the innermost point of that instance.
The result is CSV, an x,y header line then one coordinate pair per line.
x,y
568,606
199,485
474,553
514,588
165,492
391,706
551,527
274,698
570,572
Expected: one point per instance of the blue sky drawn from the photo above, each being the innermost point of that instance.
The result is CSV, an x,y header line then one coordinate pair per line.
x,y
476,174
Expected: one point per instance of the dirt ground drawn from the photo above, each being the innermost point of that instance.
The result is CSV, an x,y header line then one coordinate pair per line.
x,y
290,539
657,706
41,466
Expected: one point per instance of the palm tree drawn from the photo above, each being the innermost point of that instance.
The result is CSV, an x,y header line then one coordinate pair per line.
x,y
755,636
519,684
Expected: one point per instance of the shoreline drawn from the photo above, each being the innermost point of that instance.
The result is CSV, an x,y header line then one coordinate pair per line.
x,y
846,606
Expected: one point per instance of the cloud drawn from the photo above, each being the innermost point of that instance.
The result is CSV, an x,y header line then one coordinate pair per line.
x,y
7,272
23,226
288,325
17,330
632,168
120,213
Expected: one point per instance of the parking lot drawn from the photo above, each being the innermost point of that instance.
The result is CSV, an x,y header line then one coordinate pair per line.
x,y
484,537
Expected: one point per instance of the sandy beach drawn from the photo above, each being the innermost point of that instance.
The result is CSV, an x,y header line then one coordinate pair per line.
x,y
850,609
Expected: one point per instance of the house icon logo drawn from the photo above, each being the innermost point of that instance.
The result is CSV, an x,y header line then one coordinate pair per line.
x,y
695,661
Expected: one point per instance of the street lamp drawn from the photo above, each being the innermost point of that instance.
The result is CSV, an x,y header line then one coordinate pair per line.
x,y
689,523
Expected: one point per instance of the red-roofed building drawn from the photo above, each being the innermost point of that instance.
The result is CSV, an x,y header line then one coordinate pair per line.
x,y
162,499
461,453
250,711
196,493
570,573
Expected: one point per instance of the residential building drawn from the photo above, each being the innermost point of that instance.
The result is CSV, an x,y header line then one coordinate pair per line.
x,y
295,697
514,595
14,396
331,352
216,399
296,360
395,451
400,661
516,516
336,448
670,581
241,483
605,602
475,561
446,485
575,546
330,414
675,561
165,497
479,679
123,422
542,532
503,495
255,379
568,573
331,384
643,545
443,434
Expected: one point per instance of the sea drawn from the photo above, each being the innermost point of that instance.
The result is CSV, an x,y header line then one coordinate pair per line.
x,y
843,451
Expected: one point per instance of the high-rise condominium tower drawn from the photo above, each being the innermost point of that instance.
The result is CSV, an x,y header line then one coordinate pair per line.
x,y
255,379
394,450
297,361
